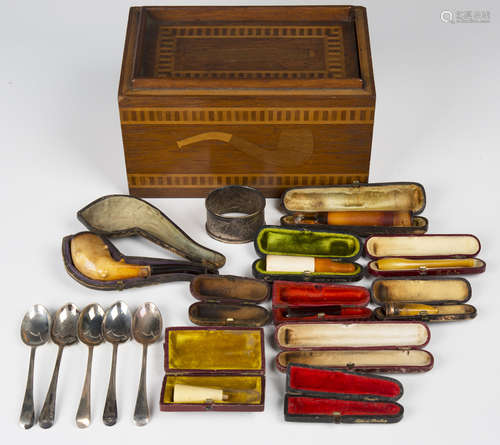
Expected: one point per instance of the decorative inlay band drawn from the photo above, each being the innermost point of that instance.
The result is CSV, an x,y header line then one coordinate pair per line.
x,y
329,37
144,180
246,116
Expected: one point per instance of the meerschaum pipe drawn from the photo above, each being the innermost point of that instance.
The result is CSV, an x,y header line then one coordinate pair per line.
x,y
200,394
405,264
285,263
353,218
91,257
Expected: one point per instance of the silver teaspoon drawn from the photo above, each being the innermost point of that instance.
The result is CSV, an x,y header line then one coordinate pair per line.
x,y
63,333
35,331
89,333
116,329
146,327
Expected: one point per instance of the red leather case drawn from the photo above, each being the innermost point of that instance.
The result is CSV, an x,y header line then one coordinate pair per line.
x,y
372,346
209,349
307,302
435,246
318,394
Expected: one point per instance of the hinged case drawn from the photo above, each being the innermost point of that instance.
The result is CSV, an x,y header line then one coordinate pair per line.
x,y
231,359
319,302
375,346
319,394
175,270
444,297
125,215
228,301
389,196
264,96
307,242
435,246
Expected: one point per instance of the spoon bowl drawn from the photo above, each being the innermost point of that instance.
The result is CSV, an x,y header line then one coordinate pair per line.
x,y
90,325
147,324
35,327
64,330
116,324
35,331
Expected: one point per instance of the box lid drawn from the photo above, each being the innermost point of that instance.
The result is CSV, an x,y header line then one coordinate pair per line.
x,y
229,289
316,50
195,350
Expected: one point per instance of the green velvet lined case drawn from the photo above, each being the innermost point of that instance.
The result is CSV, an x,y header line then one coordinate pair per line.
x,y
310,242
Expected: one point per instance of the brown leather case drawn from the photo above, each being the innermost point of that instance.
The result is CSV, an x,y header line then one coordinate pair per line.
x,y
231,359
228,301
307,302
368,346
268,97
318,394
386,196
435,246
174,270
444,296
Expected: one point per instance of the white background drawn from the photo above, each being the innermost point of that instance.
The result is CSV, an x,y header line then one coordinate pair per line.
x,y
437,122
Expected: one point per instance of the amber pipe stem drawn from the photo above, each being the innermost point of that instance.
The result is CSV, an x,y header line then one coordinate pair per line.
x,y
405,264
409,310
353,218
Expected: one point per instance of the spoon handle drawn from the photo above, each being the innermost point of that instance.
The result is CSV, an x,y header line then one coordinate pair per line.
x,y
47,414
141,413
110,413
27,417
83,413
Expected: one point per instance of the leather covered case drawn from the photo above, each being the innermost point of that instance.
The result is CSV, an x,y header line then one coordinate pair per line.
x,y
174,270
308,302
308,242
228,301
371,346
389,196
443,298
228,359
435,246
318,394
124,215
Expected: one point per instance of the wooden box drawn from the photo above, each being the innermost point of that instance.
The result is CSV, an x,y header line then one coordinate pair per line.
x,y
270,97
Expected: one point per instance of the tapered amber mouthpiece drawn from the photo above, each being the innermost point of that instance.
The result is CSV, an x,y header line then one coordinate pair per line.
x,y
405,264
91,257
409,310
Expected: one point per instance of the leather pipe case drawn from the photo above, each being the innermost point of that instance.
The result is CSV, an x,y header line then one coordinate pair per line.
x,y
374,346
318,394
307,242
424,247
389,196
227,359
445,297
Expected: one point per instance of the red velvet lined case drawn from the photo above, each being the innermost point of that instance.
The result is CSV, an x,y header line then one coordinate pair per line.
x,y
307,302
372,346
435,246
318,394
231,359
